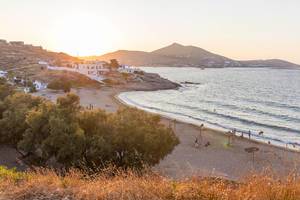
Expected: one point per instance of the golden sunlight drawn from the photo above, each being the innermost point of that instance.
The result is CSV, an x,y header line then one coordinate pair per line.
x,y
82,34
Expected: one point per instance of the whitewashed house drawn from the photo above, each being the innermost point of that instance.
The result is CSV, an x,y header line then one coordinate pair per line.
x,y
39,85
94,68
44,63
3,74
128,70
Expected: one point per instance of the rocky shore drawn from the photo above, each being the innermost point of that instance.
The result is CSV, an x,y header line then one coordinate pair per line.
x,y
150,82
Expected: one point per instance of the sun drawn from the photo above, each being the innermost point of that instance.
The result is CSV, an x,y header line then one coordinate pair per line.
x,y
82,34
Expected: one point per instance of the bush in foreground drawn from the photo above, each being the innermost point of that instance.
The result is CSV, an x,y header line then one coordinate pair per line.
x,y
46,184
65,135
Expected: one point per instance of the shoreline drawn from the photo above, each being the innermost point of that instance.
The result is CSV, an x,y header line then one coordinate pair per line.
x,y
217,159
222,133
215,129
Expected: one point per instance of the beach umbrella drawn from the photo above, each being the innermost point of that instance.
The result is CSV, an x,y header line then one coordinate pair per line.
x,y
252,150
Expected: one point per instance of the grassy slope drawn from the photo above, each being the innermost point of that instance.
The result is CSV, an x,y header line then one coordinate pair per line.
x,y
76,79
75,185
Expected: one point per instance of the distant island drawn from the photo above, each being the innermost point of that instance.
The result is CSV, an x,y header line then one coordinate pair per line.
x,y
177,55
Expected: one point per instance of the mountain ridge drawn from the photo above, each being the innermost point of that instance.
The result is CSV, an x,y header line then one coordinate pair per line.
x,y
178,55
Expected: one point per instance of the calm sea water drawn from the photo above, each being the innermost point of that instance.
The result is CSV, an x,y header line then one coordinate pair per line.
x,y
246,99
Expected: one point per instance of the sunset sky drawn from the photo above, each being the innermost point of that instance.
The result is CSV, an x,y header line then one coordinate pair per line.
x,y
237,29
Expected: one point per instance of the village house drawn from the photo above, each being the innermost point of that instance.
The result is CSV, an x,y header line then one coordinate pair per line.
x,y
39,85
92,68
95,70
3,74
128,70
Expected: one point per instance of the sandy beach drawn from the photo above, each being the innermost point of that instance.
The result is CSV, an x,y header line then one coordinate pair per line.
x,y
217,159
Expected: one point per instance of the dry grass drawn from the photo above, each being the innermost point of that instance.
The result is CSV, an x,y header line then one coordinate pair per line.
x,y
76,79
45,184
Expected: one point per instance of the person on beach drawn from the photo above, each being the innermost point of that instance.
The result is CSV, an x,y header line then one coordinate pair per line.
x,y
249,134
196,143
233,135
200,133
234,132
229,134
199,138
261,133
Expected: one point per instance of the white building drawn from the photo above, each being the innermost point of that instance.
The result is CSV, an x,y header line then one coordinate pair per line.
x,y
3,74
41,62
92,68
39,85
128,69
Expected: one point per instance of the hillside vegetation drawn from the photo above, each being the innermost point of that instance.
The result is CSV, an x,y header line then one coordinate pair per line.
x,y
131,185
15,56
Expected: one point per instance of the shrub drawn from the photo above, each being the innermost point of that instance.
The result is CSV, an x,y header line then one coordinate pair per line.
x,y
60,85
10,174
12,121
5,89
76,137
111,82
67,134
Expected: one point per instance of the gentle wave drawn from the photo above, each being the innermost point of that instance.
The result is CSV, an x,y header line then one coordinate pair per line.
x,y
160,111
274,104
246,121
265,100
252,110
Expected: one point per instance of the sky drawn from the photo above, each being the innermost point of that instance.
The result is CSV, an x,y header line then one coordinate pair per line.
x,y
238,29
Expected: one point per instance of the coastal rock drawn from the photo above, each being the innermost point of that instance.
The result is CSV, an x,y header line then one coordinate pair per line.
x,y
151,82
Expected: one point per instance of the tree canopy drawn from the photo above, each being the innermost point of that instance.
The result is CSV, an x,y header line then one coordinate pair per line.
x,y
60,84
76,137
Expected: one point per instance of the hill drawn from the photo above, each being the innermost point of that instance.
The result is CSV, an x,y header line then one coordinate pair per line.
x,y
18,54
177,55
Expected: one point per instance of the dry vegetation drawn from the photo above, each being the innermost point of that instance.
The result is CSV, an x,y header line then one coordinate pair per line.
x,y
76,79
45,184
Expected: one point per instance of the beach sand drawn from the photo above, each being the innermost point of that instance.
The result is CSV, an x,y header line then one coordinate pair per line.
x,y
217,160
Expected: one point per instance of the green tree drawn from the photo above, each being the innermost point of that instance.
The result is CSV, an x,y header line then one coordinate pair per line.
x,y
140,138
60,84
38,128
66,138
53,131
76,137
5,89
12,121
114,63
98,138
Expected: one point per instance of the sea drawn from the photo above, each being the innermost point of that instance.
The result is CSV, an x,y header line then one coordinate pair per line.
x,y
254,100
